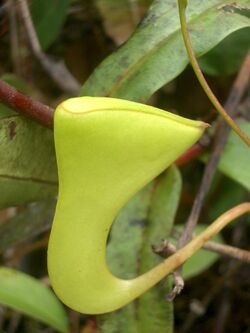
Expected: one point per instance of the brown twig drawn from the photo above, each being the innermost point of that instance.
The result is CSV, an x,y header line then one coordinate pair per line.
x,y
168,248
223,249
178,286
56,69
26,105
228,250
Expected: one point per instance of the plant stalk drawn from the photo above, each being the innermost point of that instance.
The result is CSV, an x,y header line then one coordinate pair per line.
x,y
194,63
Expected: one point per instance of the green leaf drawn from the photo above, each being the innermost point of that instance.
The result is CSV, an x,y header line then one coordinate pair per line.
x,y
122,256
29,296
224,194
202,259
155,54
28,167
226,58
30,222
235,159
145,220
154,312
48,18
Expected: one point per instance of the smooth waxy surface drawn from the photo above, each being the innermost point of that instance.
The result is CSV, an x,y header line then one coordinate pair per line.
x,y
107,149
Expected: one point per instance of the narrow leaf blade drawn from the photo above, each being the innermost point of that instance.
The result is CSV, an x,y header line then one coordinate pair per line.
x,y
155,314
29,296
227,57
235,159
155,54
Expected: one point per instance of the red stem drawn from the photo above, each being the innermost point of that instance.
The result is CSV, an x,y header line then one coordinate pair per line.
x,y
191,154
26,105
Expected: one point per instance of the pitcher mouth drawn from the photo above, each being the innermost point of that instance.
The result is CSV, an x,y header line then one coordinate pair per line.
x,y
86,104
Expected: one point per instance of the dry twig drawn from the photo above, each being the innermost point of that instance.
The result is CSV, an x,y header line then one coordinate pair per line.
x,y
168,248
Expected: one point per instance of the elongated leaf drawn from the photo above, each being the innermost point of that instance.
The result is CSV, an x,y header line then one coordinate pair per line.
x,y
30,222
224,194
153,312
235,160
145,220
28,167
122,255
48,17
202,259
155,54
29,296
226,58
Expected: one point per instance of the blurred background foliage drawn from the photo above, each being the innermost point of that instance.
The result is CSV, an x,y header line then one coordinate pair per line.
x,y
129,49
